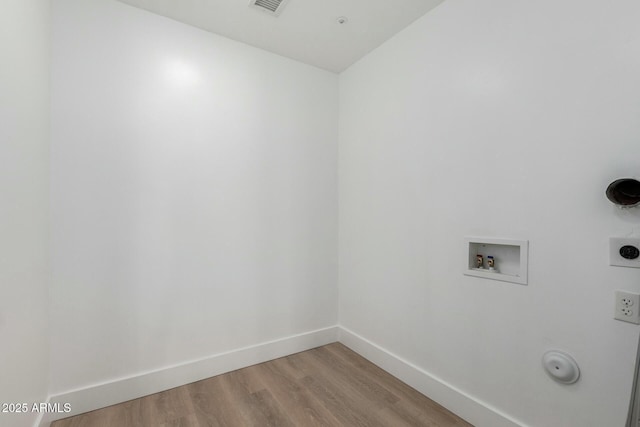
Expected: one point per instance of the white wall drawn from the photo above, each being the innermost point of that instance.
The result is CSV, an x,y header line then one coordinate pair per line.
x,y
194,188
24,137
504,118
194,196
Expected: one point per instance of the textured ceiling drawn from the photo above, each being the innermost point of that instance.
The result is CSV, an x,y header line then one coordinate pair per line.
x,y
306,30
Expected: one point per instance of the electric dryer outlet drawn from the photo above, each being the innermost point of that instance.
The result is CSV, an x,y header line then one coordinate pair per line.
x,y
624,252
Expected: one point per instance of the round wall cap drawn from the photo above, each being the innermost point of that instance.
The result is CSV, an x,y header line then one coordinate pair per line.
x,y
561,367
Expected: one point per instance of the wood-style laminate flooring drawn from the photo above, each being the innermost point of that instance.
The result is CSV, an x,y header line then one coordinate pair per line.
x,y
326,386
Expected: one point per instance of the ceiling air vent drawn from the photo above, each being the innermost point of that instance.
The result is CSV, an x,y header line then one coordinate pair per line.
x,y
272,7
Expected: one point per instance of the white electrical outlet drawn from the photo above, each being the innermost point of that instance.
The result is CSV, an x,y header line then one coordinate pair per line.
x,y
627,307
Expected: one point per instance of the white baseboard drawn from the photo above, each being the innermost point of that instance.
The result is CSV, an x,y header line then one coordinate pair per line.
x,y
478,413
121,390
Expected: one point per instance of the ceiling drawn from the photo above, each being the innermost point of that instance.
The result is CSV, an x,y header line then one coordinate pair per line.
x,y
306,30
